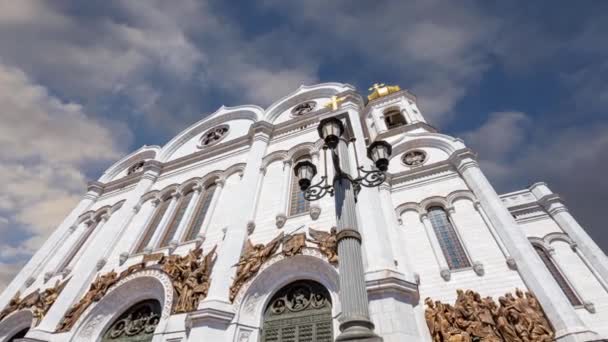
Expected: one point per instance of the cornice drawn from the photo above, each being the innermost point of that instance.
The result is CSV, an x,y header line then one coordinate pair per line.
x,y
421,172
406,129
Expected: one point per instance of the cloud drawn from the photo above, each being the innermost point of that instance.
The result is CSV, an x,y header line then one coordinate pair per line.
x,y
517,150
7,273
47,144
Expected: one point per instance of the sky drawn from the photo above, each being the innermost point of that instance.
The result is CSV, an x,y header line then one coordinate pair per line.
x,y
84,83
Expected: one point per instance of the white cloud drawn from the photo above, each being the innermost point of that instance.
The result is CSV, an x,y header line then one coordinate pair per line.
x,y
45,145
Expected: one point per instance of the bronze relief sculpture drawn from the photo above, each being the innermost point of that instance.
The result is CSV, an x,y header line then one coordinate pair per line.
x,y
190,277
254,256
38,303
327,243
251,260
472,318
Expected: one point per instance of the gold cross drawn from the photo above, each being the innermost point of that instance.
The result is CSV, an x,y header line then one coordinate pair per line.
x,y
334,103
376,86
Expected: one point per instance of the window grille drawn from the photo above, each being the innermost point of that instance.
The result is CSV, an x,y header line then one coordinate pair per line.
x,y
451,246
297,203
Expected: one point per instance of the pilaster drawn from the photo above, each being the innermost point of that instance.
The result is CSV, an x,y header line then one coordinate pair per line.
x,y
554,205
568,325
103,242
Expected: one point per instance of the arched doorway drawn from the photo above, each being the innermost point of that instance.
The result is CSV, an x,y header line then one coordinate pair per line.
x,y
20,334
137,324
299,312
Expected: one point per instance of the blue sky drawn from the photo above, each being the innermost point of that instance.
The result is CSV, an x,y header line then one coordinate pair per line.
x,y
82,84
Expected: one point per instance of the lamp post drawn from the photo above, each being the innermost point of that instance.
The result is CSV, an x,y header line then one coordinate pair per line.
x,y
355,322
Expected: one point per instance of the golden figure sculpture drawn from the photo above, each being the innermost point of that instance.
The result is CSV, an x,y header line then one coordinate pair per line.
x,y
38,303
293,244
519,318
97,290
251,260
327,242
190,277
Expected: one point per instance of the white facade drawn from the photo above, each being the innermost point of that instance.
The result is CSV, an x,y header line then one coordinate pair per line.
x,y
250,168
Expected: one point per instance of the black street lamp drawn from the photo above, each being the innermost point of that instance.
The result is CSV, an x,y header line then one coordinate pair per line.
x,y
355,324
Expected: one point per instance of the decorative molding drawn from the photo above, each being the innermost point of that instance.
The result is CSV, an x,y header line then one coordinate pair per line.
x,y
589,306
511,263
446,274
250,227
280,220
478,268
315,212
122,258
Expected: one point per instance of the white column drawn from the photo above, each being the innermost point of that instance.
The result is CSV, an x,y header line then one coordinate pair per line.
x,y
86,241
258,190
134,247
559,212
398,243
164,222
285,191
188,214
444,269
568,325
113,227
69,243
219,187
33,268
592,269
229,251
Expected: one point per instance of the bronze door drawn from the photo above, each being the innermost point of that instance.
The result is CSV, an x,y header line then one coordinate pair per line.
x,y
300,312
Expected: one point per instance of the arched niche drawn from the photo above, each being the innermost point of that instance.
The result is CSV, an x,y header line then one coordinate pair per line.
x,y
278,272
148,284
301,309
138,323
14,324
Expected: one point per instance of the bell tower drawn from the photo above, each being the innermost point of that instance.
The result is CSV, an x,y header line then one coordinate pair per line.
x,y
391,110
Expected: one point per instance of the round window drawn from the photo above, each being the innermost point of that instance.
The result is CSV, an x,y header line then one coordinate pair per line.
x,y
213,136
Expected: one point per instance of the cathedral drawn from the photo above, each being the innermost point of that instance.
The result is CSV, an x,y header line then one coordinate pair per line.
x,y
331,215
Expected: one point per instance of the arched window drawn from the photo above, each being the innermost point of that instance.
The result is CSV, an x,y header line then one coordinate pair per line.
x,y
451,246
200,213
71,257
136,324
158,216
393,118
301,311
558,276
297,203
20,334
177,219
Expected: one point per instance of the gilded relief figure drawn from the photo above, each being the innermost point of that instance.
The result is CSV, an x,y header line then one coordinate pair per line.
x,y
12,306
293,244
327,242
190,277
38,303
518,318
97,290
251,260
